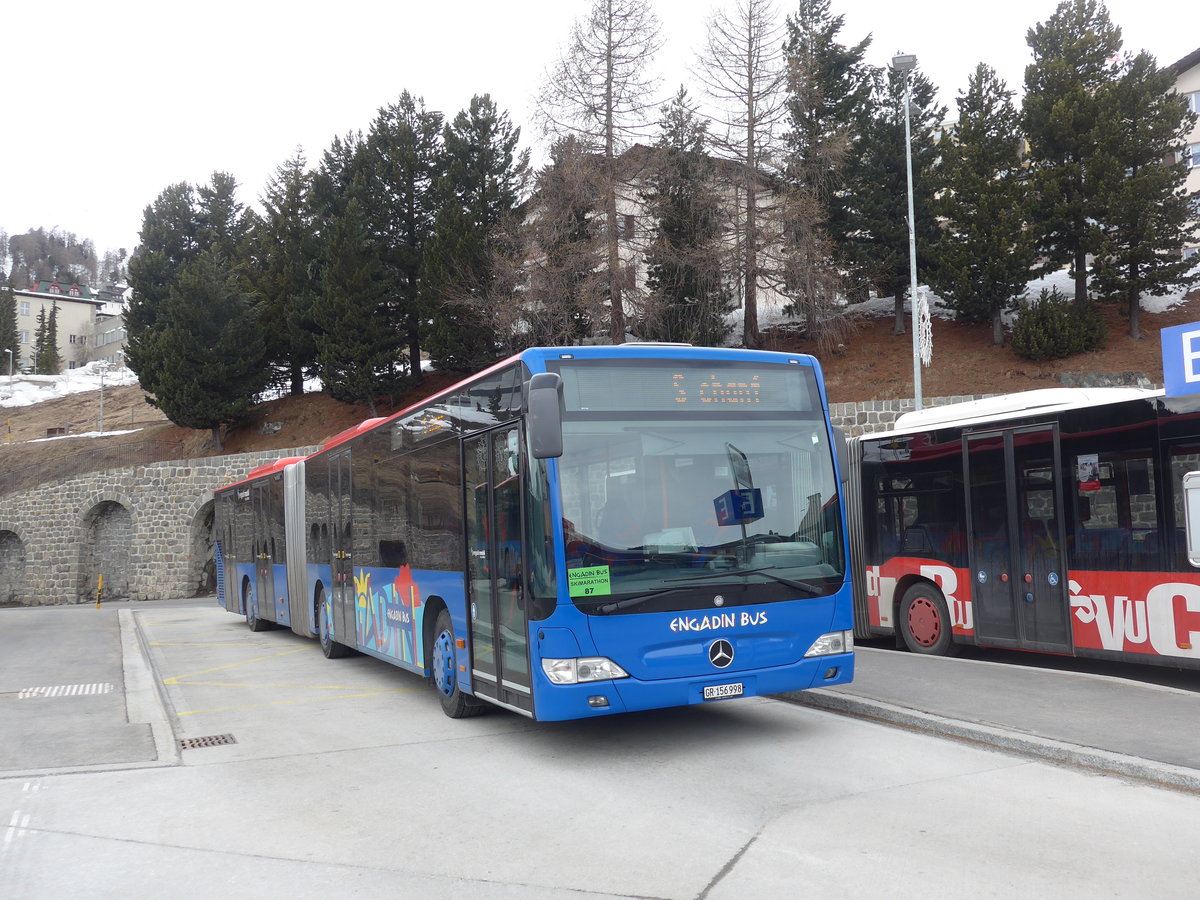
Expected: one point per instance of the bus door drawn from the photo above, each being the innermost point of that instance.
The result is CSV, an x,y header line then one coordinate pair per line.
x,y
264,581
499,616
1014,517
341,515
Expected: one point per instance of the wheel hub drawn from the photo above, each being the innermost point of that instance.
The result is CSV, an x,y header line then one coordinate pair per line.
x,y
924,623
443,663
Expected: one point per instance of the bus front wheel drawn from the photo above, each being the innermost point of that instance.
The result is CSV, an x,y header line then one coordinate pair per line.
x,y
925,621
444,660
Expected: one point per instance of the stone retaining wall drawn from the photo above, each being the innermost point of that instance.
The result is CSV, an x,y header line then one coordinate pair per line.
x,y
147,529
880,415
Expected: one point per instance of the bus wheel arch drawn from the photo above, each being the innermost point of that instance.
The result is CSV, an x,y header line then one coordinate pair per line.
x,y
923,619
433,607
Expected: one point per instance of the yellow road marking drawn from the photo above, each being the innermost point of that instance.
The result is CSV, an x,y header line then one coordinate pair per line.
x,y
196,712
175,679
267,684
198,644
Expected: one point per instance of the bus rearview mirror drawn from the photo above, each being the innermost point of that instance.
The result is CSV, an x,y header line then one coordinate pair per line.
x,y
545,407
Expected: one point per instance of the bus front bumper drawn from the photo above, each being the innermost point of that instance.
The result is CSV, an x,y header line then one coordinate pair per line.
x,y
555,702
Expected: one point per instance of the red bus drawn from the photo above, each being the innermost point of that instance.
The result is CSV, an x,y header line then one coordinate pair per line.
x,y
1050,520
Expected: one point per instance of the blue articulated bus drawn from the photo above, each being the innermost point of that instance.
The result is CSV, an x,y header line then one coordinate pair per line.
x,y
574,532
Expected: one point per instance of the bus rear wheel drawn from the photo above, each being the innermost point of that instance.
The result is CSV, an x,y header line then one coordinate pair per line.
x,y
444,661
250,604
925,621
331,648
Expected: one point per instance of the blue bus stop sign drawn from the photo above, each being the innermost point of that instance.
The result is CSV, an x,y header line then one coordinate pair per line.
x,y
739,507
1181,359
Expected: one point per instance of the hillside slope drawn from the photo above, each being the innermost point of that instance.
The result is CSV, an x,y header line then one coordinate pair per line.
x,y
875,365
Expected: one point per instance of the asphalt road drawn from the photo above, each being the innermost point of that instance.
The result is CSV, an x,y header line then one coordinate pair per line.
x,y
343,778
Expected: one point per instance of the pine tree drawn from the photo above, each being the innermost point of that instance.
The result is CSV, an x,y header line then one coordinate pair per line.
x,y
50,358
183,225
220,219
286,249
39,343
478,194
987,252
828,88
168,241
877,219
9,336
1146,215
1074,55
212,353
45,342
688,298
358,350
399,165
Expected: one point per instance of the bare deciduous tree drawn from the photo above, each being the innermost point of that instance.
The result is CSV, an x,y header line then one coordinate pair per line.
x,y
742,70
600,90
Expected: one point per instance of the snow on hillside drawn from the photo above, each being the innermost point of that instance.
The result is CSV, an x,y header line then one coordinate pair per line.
x,y
26,390
886,306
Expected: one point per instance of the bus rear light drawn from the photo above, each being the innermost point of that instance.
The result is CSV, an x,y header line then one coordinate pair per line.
x,y
833,642
581,670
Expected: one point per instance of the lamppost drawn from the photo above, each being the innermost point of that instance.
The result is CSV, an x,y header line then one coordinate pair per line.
x,y
101,367
11,392
904,63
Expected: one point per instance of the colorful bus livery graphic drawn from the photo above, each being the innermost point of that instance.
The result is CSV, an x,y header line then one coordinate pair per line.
x,y
1120,612
389,617
1050,520
543,536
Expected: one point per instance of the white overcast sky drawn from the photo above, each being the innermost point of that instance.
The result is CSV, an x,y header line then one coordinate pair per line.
x,y
108,103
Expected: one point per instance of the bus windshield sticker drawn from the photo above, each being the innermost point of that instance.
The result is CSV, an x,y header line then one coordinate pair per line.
x,y
590,582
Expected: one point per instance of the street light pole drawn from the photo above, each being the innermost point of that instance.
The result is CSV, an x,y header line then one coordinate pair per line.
x,y
905,63
102,366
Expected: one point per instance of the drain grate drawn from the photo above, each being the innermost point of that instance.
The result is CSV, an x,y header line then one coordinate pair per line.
x,y
65,690
212,740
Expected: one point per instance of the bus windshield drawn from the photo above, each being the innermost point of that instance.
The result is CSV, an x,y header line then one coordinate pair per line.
x,y
665,510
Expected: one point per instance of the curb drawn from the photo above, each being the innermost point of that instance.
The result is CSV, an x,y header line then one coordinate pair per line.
x,y
1102,761
145,698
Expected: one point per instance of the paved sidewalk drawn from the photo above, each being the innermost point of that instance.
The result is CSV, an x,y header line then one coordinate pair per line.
x,y
1101,722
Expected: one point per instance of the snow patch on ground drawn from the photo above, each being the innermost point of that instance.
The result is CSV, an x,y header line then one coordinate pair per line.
x,y
26,390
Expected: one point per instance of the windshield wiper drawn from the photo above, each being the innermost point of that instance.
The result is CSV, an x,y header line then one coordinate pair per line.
x,y
792,583
618,605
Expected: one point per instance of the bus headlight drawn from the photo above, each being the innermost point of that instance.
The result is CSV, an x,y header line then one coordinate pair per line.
x,y
580,670
834,642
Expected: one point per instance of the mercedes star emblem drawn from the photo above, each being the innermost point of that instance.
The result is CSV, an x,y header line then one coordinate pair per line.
x,y
720,653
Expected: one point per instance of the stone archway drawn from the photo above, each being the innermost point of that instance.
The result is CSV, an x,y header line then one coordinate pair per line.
x,y
107,538
12,569
202,562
